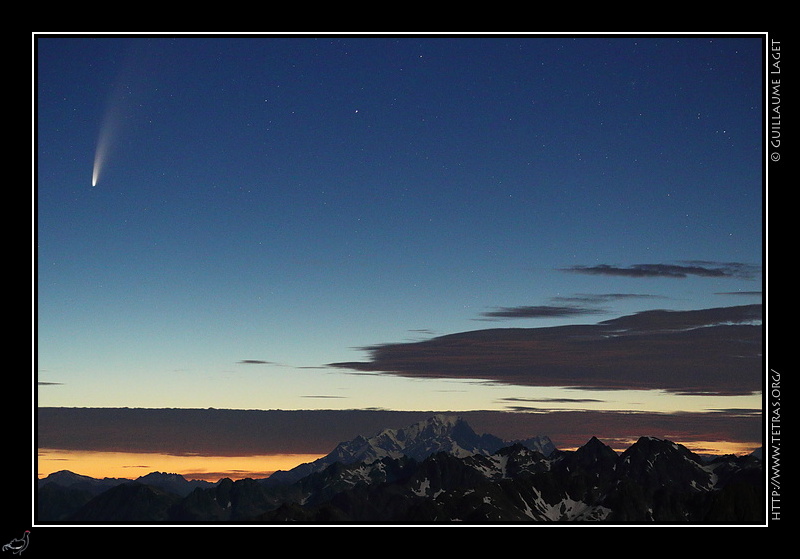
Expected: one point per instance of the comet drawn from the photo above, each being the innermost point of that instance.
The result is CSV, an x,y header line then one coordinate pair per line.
x,y
124,96
96,169
108,131
117,112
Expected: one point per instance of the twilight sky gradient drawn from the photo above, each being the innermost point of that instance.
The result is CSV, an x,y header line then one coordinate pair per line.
x,y
284,222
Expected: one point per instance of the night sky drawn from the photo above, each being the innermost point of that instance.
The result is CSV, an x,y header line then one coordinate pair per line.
x,y
400,223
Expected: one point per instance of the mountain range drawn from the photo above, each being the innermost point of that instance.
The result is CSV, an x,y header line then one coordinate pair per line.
x,y
437,471
440,433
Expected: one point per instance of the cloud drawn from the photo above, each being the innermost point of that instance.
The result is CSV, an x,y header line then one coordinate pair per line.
x,y
541,311
700,268
709,351
739,412
576,305
604,297
682,321
519,401
255,362
255,432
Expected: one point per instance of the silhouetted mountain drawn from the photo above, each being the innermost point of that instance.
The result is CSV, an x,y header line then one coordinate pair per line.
x,y
173,483
67,479
62,493
128,502
454,479
55,503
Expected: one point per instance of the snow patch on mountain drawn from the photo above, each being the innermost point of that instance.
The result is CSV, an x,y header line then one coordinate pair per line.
x,y
439,433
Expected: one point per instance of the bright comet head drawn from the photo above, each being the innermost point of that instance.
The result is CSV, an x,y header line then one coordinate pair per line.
x,y
99,157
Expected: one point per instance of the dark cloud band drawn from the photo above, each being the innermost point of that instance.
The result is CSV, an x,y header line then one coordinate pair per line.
x,y
252,432
710,351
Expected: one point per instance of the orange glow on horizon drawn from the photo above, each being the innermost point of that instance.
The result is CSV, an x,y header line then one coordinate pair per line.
x,y
131,465
719,448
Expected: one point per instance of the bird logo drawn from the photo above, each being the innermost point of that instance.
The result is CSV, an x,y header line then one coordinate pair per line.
x,y
18,545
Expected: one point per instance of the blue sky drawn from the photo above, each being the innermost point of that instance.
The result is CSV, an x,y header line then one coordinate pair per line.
x,y
267,206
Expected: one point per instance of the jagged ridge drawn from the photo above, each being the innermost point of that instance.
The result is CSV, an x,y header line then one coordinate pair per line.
x,y
440,433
